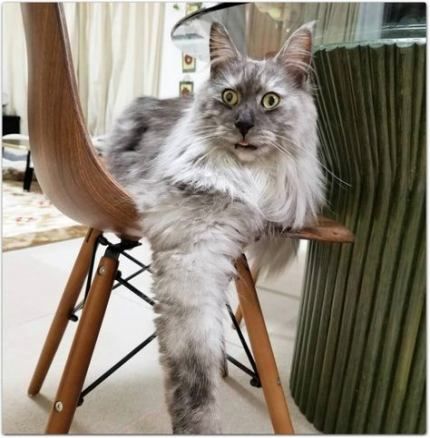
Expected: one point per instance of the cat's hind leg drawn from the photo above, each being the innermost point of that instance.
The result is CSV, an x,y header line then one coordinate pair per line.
x,y
190,307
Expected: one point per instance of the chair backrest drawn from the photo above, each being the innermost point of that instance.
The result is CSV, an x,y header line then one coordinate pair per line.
x,y
66,163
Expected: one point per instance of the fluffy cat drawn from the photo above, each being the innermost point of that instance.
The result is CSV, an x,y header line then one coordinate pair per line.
x,y
211,175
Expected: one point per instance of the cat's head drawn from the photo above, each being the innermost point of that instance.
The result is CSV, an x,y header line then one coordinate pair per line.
x,y
256,109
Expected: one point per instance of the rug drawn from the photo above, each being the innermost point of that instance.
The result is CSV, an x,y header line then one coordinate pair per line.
x,y
29,218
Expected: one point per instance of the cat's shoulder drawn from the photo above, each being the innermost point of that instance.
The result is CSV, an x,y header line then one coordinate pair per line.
x,y
145,123
152,106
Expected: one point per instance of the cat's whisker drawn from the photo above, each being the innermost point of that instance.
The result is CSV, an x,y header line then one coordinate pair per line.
x,y
281,149
312,156
315,158
207,132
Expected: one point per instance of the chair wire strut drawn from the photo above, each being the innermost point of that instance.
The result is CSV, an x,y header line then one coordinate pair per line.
x,y
120,249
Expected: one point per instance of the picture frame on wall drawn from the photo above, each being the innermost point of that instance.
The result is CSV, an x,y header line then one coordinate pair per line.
x,y
186,88
188,63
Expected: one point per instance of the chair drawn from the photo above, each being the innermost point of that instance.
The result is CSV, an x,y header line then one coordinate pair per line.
x,y
76,182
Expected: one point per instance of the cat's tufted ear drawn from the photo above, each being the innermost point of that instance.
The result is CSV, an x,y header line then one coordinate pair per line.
x,y
296,53
221,47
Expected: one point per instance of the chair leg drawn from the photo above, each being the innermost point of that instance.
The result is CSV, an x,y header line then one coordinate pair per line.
x,y
262,350
238,314
61,318
82,348
28,175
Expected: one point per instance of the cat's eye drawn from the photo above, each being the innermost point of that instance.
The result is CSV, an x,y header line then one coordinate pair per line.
x,y
230,97
270,101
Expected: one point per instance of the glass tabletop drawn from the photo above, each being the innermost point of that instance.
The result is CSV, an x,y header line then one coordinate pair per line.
x,y
259,29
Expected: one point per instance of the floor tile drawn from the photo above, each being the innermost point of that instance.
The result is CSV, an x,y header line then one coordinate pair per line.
x,y
131,401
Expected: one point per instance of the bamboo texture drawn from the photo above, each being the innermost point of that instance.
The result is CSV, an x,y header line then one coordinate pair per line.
x,y
359,360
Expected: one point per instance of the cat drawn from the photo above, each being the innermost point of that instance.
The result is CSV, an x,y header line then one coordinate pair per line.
x,y
211,175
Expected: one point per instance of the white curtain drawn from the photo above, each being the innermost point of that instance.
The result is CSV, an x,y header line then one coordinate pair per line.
x,y
116,49
14,64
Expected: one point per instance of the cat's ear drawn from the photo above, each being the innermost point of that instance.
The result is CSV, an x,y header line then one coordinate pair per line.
x,y
296,54
221,47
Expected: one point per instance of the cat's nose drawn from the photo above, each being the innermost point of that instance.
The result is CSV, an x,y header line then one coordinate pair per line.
x,y
244,126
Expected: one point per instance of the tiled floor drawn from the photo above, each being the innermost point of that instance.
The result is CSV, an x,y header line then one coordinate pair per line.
x,y
131,401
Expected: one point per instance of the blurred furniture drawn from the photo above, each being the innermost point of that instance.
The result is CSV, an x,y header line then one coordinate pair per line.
x,y
21,142
74,179
359,364
11,124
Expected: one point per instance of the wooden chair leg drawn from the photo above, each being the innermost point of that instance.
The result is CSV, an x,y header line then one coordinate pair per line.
x,y
238,314
262,350
82,348
65,307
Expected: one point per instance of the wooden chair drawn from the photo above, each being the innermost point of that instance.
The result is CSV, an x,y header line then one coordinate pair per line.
x,y
75,180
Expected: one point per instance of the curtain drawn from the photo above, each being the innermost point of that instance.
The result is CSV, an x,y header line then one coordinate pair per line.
x,y
116,50
14,64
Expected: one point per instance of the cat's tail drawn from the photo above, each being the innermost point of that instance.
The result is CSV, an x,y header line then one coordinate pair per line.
x,y
270,255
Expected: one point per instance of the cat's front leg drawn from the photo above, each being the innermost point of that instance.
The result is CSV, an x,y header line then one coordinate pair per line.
x,y
191,300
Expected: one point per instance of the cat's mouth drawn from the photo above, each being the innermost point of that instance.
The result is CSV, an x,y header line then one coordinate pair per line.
x,y
244,145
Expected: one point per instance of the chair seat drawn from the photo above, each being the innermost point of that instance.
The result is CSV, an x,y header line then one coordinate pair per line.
x,y
325,230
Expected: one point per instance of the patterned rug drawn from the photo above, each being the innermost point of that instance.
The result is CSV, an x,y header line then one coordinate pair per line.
x,y
30,219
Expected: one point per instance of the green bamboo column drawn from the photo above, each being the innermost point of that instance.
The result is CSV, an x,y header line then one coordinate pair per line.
x,y
359,360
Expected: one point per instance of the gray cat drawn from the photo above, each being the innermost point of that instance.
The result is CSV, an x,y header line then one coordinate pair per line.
x,y
211,175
